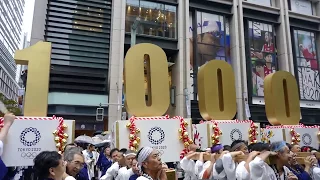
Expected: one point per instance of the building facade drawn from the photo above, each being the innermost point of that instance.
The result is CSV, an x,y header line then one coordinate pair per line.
x,y
257,37
80,35
11,13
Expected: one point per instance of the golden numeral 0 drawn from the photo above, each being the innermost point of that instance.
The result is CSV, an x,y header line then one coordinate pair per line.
x,y
37,57
282,99
155,60
216,91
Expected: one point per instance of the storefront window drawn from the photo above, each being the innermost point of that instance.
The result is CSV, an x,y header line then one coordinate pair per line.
x,y
307,65
156,19
301,6
212,43
262,54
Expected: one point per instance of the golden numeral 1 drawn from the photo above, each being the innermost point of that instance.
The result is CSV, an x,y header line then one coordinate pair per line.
x,y
157,77
282,99
37,57
216,91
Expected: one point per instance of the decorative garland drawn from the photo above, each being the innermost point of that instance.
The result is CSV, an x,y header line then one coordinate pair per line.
x,y
253,133
215,138
295,137
184,136
134,139
60,137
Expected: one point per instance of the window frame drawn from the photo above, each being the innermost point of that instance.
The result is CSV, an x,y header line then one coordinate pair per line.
x,y
249,61
196,61
295,58
164,4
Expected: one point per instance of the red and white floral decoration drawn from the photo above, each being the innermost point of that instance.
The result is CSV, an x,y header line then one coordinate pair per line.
x,y
184,136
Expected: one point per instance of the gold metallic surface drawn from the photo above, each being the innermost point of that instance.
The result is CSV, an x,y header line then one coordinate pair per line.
x,y
37,57
216,91
157,78
209,134
73,136
281,97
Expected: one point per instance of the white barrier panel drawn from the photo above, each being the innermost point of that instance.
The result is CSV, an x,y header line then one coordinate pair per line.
x,y
28,136
270,135
308,136
231,130
162,135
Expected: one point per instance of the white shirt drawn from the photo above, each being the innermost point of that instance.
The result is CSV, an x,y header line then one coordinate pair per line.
x,y
214,173
189,168
90,162
1,148
124,173
229,166
241,172
316,173
259,170
260,86
112,172
70,178
142,178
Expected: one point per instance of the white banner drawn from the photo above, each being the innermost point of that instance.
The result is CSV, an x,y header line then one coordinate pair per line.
x,y
231,130
29,136
308,136
161,135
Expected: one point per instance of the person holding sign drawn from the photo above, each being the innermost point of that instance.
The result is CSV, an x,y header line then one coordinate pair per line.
x,y
8,121
150,165
189,166
280,154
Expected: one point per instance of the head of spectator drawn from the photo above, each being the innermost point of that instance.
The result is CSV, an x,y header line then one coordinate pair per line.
x,y
49,165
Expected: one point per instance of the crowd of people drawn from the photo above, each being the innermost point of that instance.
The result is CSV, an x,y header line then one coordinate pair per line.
x,y
215,163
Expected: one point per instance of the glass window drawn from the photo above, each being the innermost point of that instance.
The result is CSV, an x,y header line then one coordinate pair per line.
x,y
261,2
262,54
307,65
156,19
212,42
301,6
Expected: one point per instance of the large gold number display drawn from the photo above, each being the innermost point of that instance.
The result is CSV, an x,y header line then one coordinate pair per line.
x,y
216,91
37,57
154,59
282,99
216,86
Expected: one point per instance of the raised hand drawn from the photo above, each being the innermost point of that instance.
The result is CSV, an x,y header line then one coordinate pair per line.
x,y
9,119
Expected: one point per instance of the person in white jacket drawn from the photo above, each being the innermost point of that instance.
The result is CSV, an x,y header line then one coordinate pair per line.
x,y
126,172
188,166
113,172
90,157
259,170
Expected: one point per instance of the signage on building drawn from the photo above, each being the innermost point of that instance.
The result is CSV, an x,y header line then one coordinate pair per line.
x,y
301,6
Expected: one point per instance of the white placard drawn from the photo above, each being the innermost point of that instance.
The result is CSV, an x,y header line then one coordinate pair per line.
x,y
162,135
232,131
273,135
27,138
308,136
301,6
201,136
